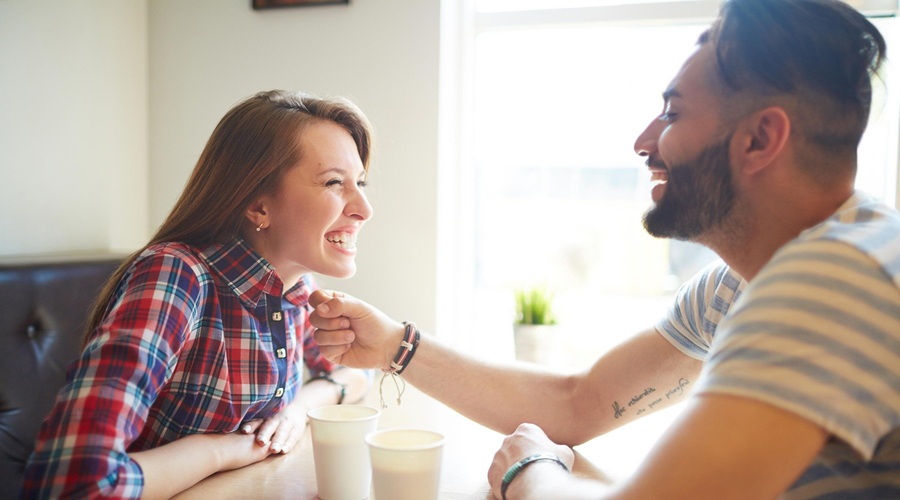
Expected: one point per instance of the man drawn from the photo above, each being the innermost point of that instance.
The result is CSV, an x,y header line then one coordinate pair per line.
x,y
797,330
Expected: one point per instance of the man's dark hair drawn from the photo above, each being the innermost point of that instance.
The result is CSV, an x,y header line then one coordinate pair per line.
x,y
822,53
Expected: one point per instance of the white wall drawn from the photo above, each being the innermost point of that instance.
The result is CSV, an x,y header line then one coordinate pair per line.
x,y
106,105
73,125
383,54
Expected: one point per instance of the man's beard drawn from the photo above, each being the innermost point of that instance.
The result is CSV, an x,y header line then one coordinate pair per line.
x,y
698,197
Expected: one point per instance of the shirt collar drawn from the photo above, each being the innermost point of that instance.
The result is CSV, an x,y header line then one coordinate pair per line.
x,y
249,275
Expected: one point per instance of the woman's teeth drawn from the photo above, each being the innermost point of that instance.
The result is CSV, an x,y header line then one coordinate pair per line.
x,y
343,240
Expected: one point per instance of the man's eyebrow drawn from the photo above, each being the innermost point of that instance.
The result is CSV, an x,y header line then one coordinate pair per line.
x,y
669,93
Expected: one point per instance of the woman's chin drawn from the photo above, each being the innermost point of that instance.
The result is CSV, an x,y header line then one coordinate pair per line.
x,y
344,272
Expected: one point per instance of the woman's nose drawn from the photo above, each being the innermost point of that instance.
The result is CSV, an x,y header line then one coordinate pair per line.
x,y
359,206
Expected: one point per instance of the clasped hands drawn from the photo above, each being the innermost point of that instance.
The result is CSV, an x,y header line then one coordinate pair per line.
x,y
352,333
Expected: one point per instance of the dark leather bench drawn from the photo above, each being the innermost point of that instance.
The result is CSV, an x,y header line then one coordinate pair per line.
x,y
44,303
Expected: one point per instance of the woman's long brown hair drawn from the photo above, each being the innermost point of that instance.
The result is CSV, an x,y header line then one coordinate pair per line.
x,y
249,151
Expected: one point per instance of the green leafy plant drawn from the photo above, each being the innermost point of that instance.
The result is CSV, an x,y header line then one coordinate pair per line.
x,y
534,306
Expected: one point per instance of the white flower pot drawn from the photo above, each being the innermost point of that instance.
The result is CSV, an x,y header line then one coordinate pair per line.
x,y
540,344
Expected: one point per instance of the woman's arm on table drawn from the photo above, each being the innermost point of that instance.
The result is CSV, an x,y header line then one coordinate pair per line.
x,y
175,467
641,376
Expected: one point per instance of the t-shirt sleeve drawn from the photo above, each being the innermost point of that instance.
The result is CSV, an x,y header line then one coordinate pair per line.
x,y
816,333
699,305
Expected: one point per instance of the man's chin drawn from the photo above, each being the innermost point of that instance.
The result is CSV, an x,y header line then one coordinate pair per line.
x,y
663,224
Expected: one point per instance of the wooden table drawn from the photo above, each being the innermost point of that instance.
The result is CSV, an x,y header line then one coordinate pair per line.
x,y
468,453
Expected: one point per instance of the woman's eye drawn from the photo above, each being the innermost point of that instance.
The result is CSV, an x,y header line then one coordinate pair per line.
x,y
334,182
362,184
668,116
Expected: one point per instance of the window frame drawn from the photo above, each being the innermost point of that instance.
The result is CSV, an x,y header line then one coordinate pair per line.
x,y
461,24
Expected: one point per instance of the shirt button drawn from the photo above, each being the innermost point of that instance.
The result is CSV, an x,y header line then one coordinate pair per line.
x,y
281,353
276,316
279,392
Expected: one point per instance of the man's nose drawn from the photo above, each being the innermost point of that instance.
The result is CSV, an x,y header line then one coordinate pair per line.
x,y
645,145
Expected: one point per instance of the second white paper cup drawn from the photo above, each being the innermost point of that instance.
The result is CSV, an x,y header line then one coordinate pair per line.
x,y
406,463
343,469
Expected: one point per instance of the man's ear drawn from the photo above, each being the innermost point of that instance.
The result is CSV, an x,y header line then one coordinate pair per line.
x,y
761,138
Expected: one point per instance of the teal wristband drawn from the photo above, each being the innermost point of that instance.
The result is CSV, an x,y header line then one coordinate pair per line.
x,y
327,377
525,462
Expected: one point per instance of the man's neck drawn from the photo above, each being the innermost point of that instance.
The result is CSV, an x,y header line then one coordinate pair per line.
x,y
748,245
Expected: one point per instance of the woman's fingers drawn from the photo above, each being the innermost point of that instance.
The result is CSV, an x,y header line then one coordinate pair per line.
x,y
250,426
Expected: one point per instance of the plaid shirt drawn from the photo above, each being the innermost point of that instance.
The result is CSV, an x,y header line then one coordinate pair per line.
x,y
194,341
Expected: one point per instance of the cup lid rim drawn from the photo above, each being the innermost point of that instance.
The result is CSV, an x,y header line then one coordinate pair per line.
x,y
434,444
312,413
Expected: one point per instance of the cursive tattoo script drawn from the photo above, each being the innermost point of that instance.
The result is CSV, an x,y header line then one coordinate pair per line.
x,y
618,411
679,389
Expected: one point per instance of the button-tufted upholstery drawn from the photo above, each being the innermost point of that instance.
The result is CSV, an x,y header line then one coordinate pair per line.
x,y
44,304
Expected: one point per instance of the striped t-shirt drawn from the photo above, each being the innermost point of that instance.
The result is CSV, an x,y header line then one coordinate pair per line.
x,y
817,333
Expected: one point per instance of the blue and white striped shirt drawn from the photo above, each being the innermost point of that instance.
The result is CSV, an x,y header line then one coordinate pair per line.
x,y
817,333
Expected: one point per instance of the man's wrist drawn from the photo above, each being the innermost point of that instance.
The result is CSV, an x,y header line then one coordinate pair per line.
x,y
393,346
408,348
523,472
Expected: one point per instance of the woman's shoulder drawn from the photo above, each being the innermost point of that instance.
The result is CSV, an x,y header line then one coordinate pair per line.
x,y
176,257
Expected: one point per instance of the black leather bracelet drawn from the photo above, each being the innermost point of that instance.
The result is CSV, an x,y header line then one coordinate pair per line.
x,y
521,464
327,377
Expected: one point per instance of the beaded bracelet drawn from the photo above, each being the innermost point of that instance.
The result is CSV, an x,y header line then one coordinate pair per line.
x,y
521,464
327,377
405,353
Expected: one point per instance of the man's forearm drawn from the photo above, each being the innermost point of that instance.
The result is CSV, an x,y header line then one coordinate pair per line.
x,y
499,396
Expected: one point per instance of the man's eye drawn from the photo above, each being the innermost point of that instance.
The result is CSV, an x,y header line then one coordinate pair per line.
x,y
668,116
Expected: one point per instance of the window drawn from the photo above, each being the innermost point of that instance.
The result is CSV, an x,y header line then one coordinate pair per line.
x,y
548,179
543,185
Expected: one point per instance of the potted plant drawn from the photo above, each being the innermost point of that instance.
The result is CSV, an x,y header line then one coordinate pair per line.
x,y
535,328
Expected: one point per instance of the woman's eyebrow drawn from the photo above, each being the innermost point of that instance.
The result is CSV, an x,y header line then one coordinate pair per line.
x,y
332,170
339,171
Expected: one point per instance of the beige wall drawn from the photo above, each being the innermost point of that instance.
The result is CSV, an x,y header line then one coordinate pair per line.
x,y
105,106
73,125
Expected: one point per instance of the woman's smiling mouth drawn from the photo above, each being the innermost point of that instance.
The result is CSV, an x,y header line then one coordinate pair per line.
x,y
346,241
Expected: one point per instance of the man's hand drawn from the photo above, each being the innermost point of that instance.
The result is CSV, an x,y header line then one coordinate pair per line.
x,y
353,333
528,440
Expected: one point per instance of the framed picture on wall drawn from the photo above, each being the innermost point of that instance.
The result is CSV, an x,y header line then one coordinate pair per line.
x,y
271,4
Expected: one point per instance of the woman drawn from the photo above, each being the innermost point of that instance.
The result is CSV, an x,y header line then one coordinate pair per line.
x,y
194,352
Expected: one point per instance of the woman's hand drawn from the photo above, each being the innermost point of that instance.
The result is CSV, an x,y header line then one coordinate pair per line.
x,y
353,333
528,440
281,432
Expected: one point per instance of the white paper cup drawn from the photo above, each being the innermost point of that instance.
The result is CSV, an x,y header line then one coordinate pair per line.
x,y
406,463
343,470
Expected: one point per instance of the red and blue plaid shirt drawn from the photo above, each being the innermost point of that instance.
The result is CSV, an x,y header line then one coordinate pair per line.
x,y
196,340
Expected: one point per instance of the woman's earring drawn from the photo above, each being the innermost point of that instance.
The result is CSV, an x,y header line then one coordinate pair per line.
x,y
259,227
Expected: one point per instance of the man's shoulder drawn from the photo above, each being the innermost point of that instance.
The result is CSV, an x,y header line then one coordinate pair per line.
x,y
863,230
862,222
715,276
